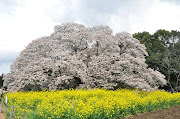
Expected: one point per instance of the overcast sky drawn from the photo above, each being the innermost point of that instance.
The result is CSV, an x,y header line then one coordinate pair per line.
x,y
22,21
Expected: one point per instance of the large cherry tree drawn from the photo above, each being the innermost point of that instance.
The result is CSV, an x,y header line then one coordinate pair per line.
x,y
74,56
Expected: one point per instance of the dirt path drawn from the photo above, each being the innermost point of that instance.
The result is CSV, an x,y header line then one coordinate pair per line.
x,y
2,115
170,113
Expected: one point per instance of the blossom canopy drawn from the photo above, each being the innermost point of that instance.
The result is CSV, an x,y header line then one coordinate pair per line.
x,y
75,56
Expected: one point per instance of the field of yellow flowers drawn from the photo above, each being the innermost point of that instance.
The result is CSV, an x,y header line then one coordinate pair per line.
x,y
86,104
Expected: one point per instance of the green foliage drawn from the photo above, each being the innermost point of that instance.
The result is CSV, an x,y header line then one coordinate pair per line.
x,y
154,48
163,48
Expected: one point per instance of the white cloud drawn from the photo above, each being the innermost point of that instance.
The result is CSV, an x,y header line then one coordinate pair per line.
x,y
22,21
5,68
27,22
6,59
164,15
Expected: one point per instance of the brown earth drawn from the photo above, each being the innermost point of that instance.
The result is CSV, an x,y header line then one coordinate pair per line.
x,y
2,115
170,113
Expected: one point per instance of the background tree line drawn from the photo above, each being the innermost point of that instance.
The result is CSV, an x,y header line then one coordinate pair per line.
x,y
163,48
1,80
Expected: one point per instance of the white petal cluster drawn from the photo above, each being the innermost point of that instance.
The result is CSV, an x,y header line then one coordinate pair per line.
x,y
78,57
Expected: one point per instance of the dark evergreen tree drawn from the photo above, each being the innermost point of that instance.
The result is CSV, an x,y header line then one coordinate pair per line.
x,y
163,48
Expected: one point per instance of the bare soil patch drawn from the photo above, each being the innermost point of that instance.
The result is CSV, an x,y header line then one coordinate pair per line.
x,y
2,115
170,113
